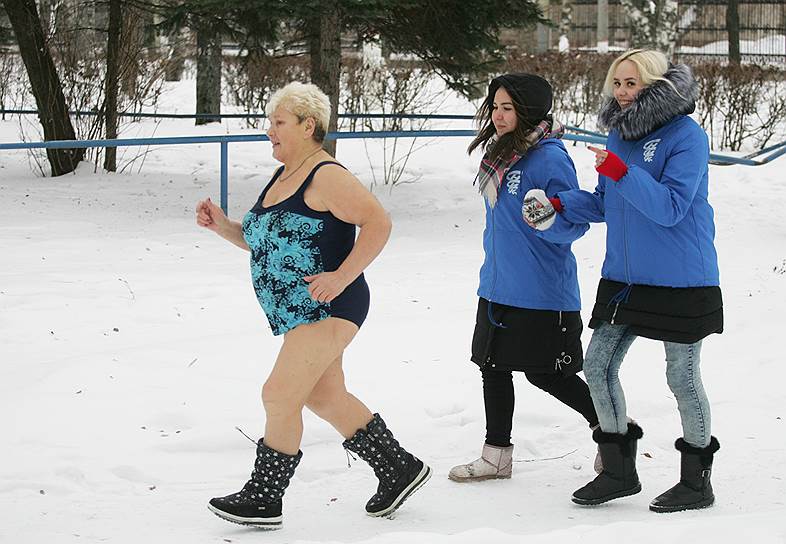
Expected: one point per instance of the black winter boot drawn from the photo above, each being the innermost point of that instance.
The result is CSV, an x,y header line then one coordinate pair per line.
x,y
619,477
399,472
694,490
259,502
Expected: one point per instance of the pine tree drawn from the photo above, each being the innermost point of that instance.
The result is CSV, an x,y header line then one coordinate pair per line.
x,y
458,39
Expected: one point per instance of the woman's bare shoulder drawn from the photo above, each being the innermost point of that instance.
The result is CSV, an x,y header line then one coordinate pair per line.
x,y
334,176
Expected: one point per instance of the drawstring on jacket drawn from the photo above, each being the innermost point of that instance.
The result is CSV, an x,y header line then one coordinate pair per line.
x,y
622,296
491,318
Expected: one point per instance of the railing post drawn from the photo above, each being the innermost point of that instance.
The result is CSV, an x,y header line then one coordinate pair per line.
x,y
224,175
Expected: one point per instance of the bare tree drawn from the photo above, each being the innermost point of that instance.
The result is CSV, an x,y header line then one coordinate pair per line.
x,y
208,84
112,80
733,28
45,83
325,46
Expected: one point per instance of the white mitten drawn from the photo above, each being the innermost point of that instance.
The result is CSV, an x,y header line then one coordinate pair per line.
x,y
538,212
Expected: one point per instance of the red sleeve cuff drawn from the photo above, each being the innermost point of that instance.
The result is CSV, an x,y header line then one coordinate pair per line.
x,y
557,203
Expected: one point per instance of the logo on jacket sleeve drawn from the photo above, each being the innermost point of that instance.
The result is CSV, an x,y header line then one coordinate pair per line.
x,y
649,149
514,180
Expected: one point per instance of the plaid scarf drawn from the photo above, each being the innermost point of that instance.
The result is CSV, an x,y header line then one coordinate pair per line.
x,y
491,172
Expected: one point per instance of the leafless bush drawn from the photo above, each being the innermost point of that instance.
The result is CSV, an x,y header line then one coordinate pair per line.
x,y
391,87
13,82
251,79
741,104
142,68
79,52
352,89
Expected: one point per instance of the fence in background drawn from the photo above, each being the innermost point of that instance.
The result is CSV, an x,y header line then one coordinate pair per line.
x,y
702,28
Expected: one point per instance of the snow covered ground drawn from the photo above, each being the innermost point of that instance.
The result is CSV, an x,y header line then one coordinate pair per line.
x,y
131,346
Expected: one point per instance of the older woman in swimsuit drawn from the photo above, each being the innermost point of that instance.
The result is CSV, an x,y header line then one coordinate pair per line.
x,y
307,271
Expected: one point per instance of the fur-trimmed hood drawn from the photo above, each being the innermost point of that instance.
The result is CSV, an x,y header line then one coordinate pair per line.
x,y
654,106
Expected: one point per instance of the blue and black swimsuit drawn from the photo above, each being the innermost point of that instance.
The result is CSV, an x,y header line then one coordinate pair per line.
x,y
289,241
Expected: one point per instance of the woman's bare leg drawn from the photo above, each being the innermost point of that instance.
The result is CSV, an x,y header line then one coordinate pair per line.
x,y
308,351
330,400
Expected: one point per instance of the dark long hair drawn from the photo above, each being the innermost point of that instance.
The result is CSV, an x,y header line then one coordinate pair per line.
x,y
516,140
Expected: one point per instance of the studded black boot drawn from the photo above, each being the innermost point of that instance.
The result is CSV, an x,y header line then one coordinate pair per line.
x,y
618,477
259,502
694,490
399,472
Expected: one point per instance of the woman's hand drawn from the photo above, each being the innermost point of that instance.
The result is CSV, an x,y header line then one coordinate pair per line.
x,y
600,155
609,164
538,210
210,216
338,191
326,286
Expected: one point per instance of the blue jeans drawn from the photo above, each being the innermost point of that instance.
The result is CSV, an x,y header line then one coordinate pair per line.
x,y
608,347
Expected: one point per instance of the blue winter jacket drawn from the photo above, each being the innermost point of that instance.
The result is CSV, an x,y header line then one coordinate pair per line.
x,y
523,267
660,226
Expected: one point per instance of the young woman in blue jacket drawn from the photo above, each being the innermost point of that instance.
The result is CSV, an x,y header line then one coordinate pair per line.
x,y
528,315
660,275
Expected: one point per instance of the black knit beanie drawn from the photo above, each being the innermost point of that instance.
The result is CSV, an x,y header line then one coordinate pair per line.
x,y
531,93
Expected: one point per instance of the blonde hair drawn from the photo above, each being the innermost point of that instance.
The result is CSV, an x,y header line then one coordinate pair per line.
x,y
651,65
303,100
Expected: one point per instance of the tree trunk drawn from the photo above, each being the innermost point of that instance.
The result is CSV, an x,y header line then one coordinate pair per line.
x,y
326,73
314,27
208,81
603,26
733,27
45,84
112,81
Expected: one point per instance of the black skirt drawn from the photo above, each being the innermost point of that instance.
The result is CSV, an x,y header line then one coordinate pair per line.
x,y
673,314
538,341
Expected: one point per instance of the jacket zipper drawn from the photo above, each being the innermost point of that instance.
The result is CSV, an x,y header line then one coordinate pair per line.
x,y
624,241
486,354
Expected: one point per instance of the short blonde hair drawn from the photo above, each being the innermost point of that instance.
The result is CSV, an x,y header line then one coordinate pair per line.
x,y
651,65
303,100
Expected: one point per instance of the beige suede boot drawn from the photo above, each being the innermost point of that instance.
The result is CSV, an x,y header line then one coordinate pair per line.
x,y
495,462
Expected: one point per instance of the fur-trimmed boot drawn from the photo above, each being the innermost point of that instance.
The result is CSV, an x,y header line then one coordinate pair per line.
x,y
494,462
618,477
399,472
259,502
598,463
694,490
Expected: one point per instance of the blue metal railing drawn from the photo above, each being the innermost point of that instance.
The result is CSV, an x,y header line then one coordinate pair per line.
x,y
224,141
772,152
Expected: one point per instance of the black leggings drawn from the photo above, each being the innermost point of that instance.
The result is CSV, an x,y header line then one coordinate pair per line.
x,y
499,399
